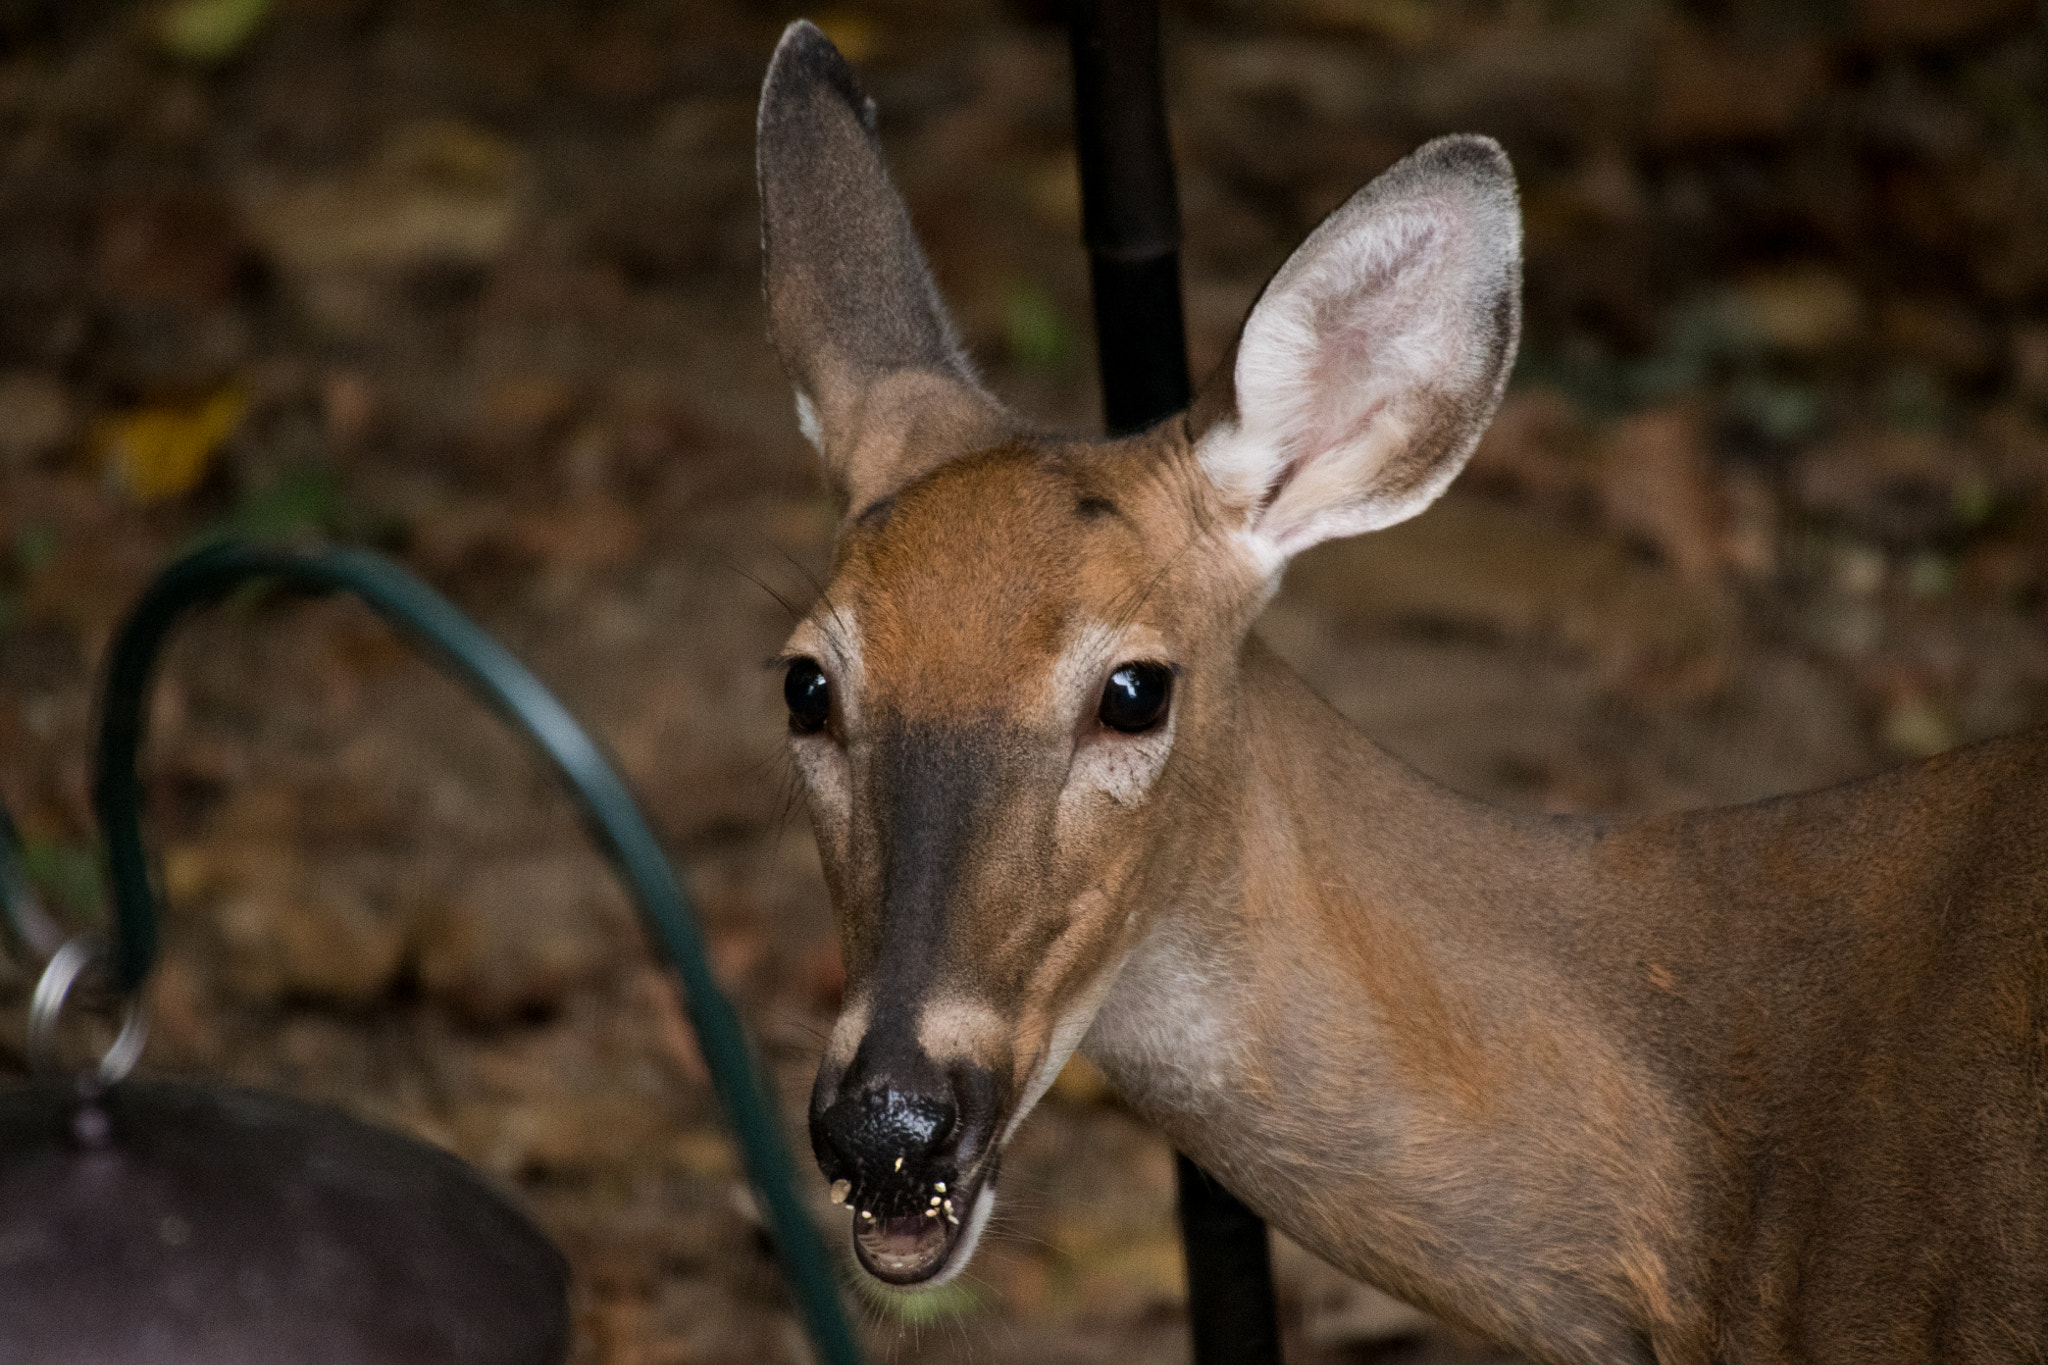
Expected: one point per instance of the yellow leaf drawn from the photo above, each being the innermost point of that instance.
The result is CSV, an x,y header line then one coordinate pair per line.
x,y
210,31
160,452
855,35
1080,1082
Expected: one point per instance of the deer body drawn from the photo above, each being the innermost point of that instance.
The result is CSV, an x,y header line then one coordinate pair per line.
x,y
1755,1084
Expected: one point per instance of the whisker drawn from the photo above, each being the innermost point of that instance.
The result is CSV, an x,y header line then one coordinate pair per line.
x,y
780,600
832,625
1173,560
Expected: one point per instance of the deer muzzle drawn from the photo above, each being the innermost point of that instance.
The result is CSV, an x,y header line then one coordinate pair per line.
x,y
911,1150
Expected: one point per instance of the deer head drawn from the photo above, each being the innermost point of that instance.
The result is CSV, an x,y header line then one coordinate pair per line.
x,y
1014,707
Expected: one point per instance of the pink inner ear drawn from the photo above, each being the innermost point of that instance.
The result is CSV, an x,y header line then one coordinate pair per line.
x,y
1367,338
1368,369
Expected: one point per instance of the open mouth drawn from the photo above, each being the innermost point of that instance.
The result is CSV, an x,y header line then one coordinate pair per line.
x,y
908,1233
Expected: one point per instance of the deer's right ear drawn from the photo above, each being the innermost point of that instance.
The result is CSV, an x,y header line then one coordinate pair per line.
x,y
882,386
1375,358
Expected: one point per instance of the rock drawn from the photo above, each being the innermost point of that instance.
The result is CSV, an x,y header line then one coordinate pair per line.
x,y
1707,90
1802,311
515,936
572,1127
1936,23
1894,487
1657,482
439,193
37,419
1473,564
335,933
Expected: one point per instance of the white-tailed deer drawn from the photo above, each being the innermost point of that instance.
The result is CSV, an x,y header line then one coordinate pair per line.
x,y
1765,1083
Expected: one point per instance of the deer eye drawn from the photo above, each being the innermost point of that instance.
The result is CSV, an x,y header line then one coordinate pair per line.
x,y
809,696
1135,697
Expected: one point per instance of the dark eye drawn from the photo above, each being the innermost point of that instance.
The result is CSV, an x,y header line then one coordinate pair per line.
x,y
809,696
1136,696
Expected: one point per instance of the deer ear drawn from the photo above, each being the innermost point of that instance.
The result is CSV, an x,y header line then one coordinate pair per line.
x,y
1375,357
882,386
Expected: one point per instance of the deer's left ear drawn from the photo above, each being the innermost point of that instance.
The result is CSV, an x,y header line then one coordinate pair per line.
x,y
1375,357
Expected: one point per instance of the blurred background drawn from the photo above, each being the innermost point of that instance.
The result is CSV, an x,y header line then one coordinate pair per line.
x,y
475,282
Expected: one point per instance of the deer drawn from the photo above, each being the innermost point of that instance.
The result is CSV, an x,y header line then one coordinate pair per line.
x,y
1761,1083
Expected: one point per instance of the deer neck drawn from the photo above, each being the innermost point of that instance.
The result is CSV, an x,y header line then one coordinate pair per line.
x,y
1357,1005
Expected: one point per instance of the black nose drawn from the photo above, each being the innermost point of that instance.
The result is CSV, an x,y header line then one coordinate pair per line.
x,y
872,1135
907,1148
895,1124
887,1118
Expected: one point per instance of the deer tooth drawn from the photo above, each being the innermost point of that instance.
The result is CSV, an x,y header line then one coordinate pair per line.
x,y
939,1185
841,1189
899,1163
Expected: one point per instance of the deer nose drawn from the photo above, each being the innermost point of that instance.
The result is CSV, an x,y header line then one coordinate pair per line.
x,y
908,1146
872,1135
888,1115
894,1122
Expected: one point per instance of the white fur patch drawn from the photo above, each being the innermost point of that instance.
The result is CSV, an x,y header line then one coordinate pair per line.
x,y
827,779
832,637
848,1030
1066,1036
1119,767
1167,1031
951,1028
807,421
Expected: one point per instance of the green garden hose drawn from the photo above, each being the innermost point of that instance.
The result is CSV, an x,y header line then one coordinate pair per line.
x,y
463,649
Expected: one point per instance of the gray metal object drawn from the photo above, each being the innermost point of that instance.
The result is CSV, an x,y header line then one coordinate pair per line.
x,y
155,1223
46,1009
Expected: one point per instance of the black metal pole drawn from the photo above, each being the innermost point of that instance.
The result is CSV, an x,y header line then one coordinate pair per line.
x,y
1131,219
1130,215
1232,1315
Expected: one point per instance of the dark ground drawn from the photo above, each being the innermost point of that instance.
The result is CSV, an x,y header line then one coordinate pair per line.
x,y
476,283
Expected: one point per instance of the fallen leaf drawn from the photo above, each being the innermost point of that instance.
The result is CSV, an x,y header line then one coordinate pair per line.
x,y
853,34
1918,23
210,31
36,416
1080,1082
1798,311
161,452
